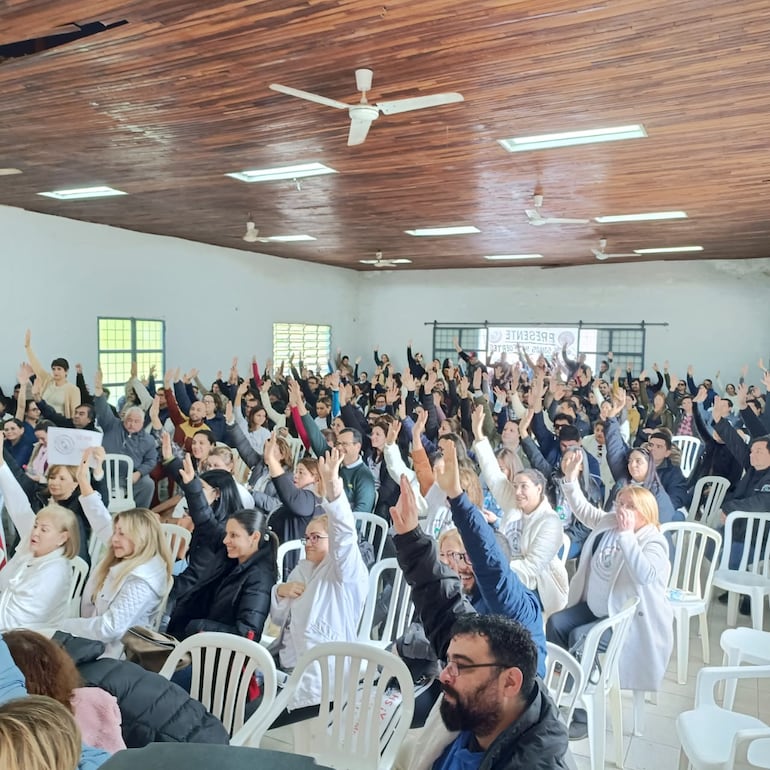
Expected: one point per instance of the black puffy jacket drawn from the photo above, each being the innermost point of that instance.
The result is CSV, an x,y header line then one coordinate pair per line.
x,y
153,709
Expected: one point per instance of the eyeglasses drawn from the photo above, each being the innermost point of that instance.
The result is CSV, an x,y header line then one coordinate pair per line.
x,y
312,539
455,556
454,669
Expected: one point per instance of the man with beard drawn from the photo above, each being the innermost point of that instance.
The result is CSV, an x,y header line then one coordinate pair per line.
x,y
490,693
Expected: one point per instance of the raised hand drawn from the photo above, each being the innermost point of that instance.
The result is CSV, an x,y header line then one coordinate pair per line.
x,y
187,471
572,464
393,430
166,450
626,518
134,370
27,338
392,394
419,427
408,380
673,381
430,381
618,402
83,474
405,514
154,410
24,373
229,419
462,387
448,478
525,422
329,471
98,382
701,395
720,410
242,388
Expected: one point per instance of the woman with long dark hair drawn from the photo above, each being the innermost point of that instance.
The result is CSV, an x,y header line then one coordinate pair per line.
x,y
239,602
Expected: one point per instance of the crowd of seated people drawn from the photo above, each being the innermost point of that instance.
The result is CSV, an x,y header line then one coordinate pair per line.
x,y
504,466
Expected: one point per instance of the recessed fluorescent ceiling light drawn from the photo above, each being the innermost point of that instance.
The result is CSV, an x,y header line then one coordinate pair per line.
x,y
289,238
642,217
9,171
282,172
82,192
443,231
668,250
569,138
501,257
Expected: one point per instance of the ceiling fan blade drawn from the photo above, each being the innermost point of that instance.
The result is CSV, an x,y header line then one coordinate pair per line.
x,y
534,216
563,221
418,103
358,131
308,96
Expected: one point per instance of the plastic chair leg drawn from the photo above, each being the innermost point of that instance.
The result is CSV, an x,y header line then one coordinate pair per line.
x,y
597,721
732,609
682,623
757,608
731,658
616,718
639,712
704,637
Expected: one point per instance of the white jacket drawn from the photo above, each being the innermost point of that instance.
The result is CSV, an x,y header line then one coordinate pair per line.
x,y
330,608
538,565
133,601
34,590
643,572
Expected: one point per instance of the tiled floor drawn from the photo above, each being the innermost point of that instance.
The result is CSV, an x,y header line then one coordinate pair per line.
x,y
658,747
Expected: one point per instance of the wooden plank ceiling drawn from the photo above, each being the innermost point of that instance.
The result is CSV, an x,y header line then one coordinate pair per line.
x,y
162,106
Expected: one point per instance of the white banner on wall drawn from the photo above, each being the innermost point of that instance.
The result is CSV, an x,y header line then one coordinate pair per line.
x,y
534,340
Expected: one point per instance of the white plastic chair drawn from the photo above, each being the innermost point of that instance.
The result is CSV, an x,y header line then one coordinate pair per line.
x,y
283,550
121,499
96,549
373,529
743,645
175,536
753,574
715,738
691,448
222,667
361,723
688,593
564,679
595,695
400,607
710,507
79,577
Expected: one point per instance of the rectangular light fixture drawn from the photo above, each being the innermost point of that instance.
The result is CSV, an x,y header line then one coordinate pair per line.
x,y
289,238
570,138
81,193
653,215
9,171
299,171
668,250
504,257
427,231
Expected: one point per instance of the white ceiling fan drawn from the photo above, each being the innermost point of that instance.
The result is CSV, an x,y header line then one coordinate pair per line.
x,y
601,254
252,233
538,220
378,261
363,113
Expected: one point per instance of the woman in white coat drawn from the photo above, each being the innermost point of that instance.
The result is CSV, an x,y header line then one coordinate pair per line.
x,y
323,598
625,556
129,585
35,584
530,525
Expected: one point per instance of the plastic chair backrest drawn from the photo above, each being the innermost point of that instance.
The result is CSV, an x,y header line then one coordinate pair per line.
x,y
619,624
373,529
757,532
222,667
362,721
690,541
120,499
283,550
96,549
400,607
716,488
79,577
691,448
564,679
175,536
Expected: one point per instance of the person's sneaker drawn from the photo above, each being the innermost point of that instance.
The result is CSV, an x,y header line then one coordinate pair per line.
x,y
578,730
744,606
722,598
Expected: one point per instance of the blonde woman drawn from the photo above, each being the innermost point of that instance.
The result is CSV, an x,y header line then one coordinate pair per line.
x,y
34,585
131,582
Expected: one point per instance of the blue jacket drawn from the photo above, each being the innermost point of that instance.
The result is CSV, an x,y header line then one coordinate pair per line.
x,y
12,686
436,591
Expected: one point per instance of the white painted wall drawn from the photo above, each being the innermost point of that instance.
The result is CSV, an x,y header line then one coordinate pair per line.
x,y
221,302
216,302
716,319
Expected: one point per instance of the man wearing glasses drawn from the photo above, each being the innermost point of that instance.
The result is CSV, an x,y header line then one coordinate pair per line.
x,y
490,693
358,479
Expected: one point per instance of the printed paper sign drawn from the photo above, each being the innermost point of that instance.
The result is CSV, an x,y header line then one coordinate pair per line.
x,y
66,445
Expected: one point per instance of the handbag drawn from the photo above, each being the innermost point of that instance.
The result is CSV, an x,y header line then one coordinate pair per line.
x,y
150,649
